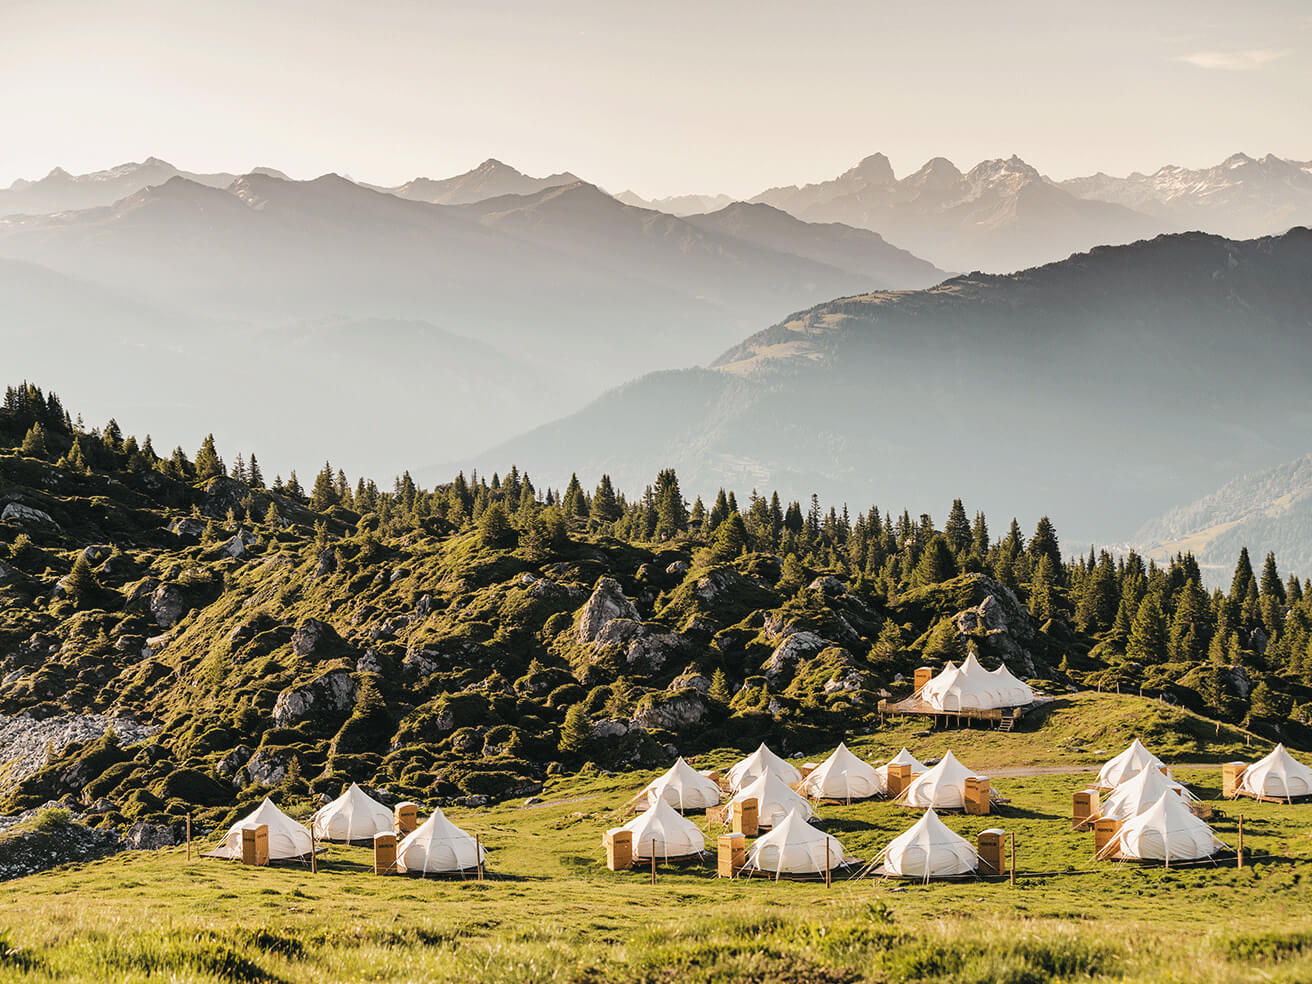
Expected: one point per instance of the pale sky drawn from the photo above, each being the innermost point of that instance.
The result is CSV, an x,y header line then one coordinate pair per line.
x,y
666,98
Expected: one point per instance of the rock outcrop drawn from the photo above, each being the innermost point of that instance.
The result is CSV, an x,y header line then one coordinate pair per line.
x,y
317,641
16,512
168,604
328,696
606,604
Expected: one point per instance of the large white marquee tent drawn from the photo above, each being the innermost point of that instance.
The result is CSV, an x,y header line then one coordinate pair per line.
x,y
970,687
943,787
1166,831
774,800
660,832
1127,765
1136,795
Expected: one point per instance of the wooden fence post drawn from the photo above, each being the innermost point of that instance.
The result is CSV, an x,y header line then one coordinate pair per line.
x,y
1239,855
653,864
188,836
314,853
1013,857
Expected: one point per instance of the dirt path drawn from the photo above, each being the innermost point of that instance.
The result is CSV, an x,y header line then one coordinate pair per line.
x,y
1054,770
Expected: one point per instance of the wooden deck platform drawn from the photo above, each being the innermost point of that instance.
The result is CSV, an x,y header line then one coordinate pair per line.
x,y
1001,718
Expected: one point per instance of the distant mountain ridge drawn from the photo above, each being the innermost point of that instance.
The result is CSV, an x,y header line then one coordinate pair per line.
x,y
1241,197
583,290
1268,510
1192,348
491,179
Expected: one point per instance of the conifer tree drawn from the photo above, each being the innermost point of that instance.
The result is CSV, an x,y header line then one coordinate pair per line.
x,y
34,443
254,477
494,529
1147,642
324,494
81,581
719,511
1044,544
730,539
979,535
605,507
1271,585
239,469
576,732
936,563
720,692
208,463
957,528
1239,583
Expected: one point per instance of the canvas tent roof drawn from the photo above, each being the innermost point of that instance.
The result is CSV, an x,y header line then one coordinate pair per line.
x,y
355,815
794,847
438,846
659,831
843,776
929,850
683,787
287,838
903,757
1136,795
1127,765
774,800
971,687
746,771
1278,775
943,787
1167,830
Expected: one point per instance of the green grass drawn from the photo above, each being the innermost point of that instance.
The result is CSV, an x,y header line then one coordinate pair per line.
x,y
553,913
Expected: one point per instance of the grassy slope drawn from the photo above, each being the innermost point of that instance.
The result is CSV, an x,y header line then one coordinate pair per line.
x,y
562,916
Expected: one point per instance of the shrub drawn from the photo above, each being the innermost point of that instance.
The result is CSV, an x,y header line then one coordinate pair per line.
x,y
51,818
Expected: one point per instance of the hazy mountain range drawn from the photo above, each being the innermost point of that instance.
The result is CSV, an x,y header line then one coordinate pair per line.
x,y
495,315
1100,389
1265,510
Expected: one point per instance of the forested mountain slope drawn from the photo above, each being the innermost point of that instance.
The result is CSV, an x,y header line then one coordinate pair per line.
x,y
461,641
1103,388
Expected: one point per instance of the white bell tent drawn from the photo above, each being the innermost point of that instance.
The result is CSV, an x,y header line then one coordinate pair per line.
x,y
438,847
1136,795
746,771
660,832
683,787
1127,765
942,788
1278,776
775,799
1166,831
794,847
287,838
929,850
843,776
355,815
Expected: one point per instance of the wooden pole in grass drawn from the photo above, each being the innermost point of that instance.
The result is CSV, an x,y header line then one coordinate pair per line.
x,y
478,856
1012,835
653,864
314,853
188,836
827,882
1239,855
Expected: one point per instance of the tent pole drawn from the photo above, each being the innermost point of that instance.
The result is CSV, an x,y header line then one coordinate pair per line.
x,y
828,882
1013,858
314,854
478,855
653,864
1239,855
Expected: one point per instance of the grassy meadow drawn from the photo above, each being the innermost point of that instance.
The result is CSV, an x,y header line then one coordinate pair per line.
x,y
550,911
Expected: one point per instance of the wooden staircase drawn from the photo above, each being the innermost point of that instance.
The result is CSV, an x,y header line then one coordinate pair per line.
x,y
1007,722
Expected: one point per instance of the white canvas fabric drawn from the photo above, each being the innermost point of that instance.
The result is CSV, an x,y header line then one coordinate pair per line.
x,y
794,847
1127,765
1278,775
661,832
355,815
438,846
929,850
903,757
747,771
943,787
287,838
843,776
1136,795
1167,830
970,687
774,800
683,787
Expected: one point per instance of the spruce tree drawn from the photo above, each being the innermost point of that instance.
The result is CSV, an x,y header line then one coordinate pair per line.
x,y
1242,579
208,463
957,528
254,477
720,692
494,529
1271,585
81,581
936,564
1148,642
730,539
1044,544
605,507
34,443
576,732
324,494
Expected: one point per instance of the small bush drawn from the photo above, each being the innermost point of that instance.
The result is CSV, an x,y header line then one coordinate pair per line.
x,y
51,818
